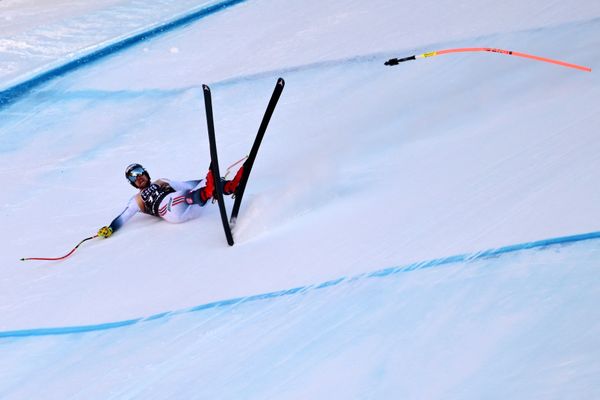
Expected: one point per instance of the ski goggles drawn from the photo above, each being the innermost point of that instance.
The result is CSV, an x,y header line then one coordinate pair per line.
x,y
134,173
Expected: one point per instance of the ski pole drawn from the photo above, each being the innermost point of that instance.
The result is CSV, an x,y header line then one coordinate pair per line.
x,y
234,164
58,258
396,61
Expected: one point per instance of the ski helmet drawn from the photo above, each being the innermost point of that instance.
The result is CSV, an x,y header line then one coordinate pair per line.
x,y
133,171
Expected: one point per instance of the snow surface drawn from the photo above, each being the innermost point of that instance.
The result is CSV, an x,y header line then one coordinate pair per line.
x,y
40,34
364,167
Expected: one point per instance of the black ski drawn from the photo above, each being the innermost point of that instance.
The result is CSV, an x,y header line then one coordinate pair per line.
x,y
239,192
214,164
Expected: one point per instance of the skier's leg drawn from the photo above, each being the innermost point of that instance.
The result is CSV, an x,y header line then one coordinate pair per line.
x,y
175,209
189,212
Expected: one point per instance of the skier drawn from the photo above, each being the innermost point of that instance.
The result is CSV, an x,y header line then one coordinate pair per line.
x,y
170,200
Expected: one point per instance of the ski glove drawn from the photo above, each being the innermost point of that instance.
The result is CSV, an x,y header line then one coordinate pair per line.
x,y
105,232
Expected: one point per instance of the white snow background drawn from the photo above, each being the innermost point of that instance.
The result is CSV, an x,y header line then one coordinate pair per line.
x,y
363,168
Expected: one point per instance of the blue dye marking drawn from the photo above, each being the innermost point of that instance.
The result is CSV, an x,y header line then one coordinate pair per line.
x,y
330,283
158,316
68,329
376,274
13,93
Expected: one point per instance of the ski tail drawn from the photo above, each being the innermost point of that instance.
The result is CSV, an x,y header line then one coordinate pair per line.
x,y
214,163
239,193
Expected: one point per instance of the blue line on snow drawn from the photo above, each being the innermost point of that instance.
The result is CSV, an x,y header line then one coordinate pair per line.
x,y
381,273
11,94
112,95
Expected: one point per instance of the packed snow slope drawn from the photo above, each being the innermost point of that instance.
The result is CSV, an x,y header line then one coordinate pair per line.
x,y
38,35
510,327
363,167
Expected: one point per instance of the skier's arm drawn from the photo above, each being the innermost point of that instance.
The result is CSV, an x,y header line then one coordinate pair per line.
x,y
131,209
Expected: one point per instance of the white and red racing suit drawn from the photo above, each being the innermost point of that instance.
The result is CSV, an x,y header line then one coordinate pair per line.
x,y
165,199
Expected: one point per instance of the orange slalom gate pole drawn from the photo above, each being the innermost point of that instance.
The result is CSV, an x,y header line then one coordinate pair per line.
x,y
58,258
396,61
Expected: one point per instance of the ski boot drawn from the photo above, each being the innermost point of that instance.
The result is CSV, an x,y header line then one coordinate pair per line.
x,y
202,195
